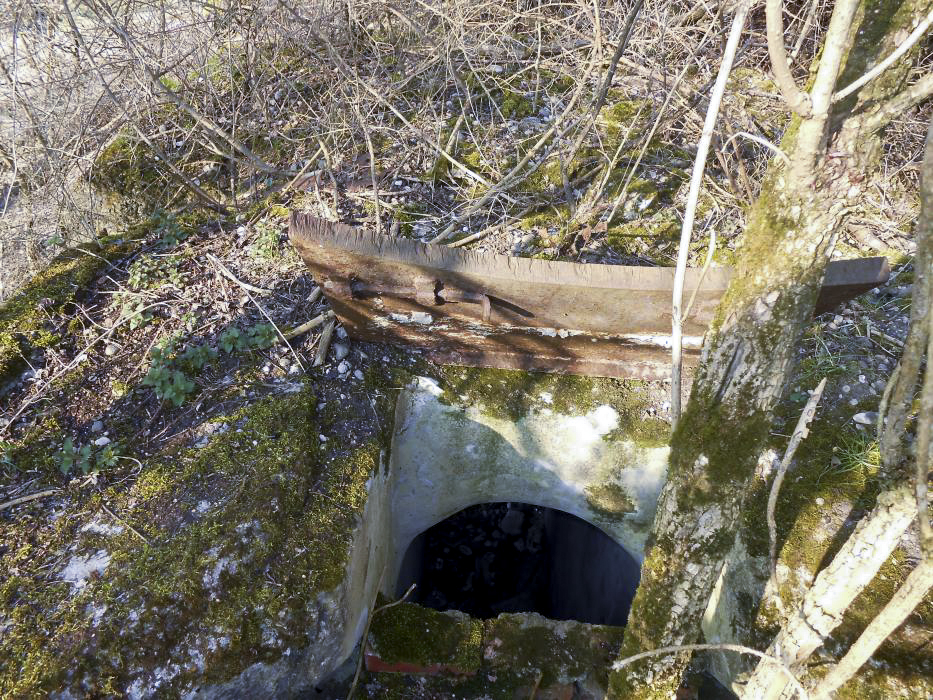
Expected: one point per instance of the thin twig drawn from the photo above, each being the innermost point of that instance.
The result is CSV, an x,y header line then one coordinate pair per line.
x,y
696,178
761,141
800,432
369,620
230,276
129,527
901,49
661,651
220,266
27,498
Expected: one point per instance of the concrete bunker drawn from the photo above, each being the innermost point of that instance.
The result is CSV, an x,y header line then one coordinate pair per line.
x,y
576,485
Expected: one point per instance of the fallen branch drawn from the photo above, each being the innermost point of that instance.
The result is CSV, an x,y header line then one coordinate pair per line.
x,y
27,498
892,616
230,276
308,325
324,344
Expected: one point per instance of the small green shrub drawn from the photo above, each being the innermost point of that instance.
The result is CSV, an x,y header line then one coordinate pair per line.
x,y
232,339
169,230
168,382
266,245
153,271
259,337
85,458
169,369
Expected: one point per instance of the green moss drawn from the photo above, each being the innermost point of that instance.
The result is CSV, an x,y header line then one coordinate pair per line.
x,y
242,536
557,653
609,499
515,105
622,116
26,318
409,633
124,167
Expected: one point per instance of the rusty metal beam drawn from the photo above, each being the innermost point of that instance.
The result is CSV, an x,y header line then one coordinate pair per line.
x,y
488,310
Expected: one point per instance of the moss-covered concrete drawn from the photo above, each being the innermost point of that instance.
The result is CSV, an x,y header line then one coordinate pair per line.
x,y
27,320
412,634
218,561
513,655
583,446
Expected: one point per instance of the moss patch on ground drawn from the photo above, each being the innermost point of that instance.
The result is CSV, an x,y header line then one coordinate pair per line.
x,y
27,320
213,561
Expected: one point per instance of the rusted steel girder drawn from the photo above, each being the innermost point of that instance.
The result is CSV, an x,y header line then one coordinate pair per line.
x,y
487,310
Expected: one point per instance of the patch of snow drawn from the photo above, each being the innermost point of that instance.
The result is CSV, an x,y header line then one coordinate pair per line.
x,y
429,385
79,568
99,528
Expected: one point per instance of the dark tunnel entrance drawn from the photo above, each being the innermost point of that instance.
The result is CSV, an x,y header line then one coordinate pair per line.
x,y
495,558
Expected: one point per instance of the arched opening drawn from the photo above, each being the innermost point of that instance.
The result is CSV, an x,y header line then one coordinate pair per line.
x,y
495,558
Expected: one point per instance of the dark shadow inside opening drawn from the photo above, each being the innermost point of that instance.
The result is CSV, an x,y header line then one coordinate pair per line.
x,y
495,558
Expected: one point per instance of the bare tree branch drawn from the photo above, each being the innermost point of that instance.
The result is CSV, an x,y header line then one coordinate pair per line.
x,y
696,179
903,48
905,600
795,98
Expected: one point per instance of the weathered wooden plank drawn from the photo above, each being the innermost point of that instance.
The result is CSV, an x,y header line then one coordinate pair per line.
x,y
483,309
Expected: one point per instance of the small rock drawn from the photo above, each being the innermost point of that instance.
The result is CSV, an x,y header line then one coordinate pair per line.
x,y
846,389
110,350
343,367
323,438
340,351
358,374
341,333
295,369
101,441
866,417
97,426
820,501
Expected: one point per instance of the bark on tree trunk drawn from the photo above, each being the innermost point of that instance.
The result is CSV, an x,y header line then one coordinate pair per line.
x,y
747,354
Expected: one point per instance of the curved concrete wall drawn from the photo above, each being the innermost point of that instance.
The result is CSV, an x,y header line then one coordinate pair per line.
x,y
447,457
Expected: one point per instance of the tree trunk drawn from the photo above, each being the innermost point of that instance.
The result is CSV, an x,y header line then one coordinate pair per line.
x,y
749,350
875,537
